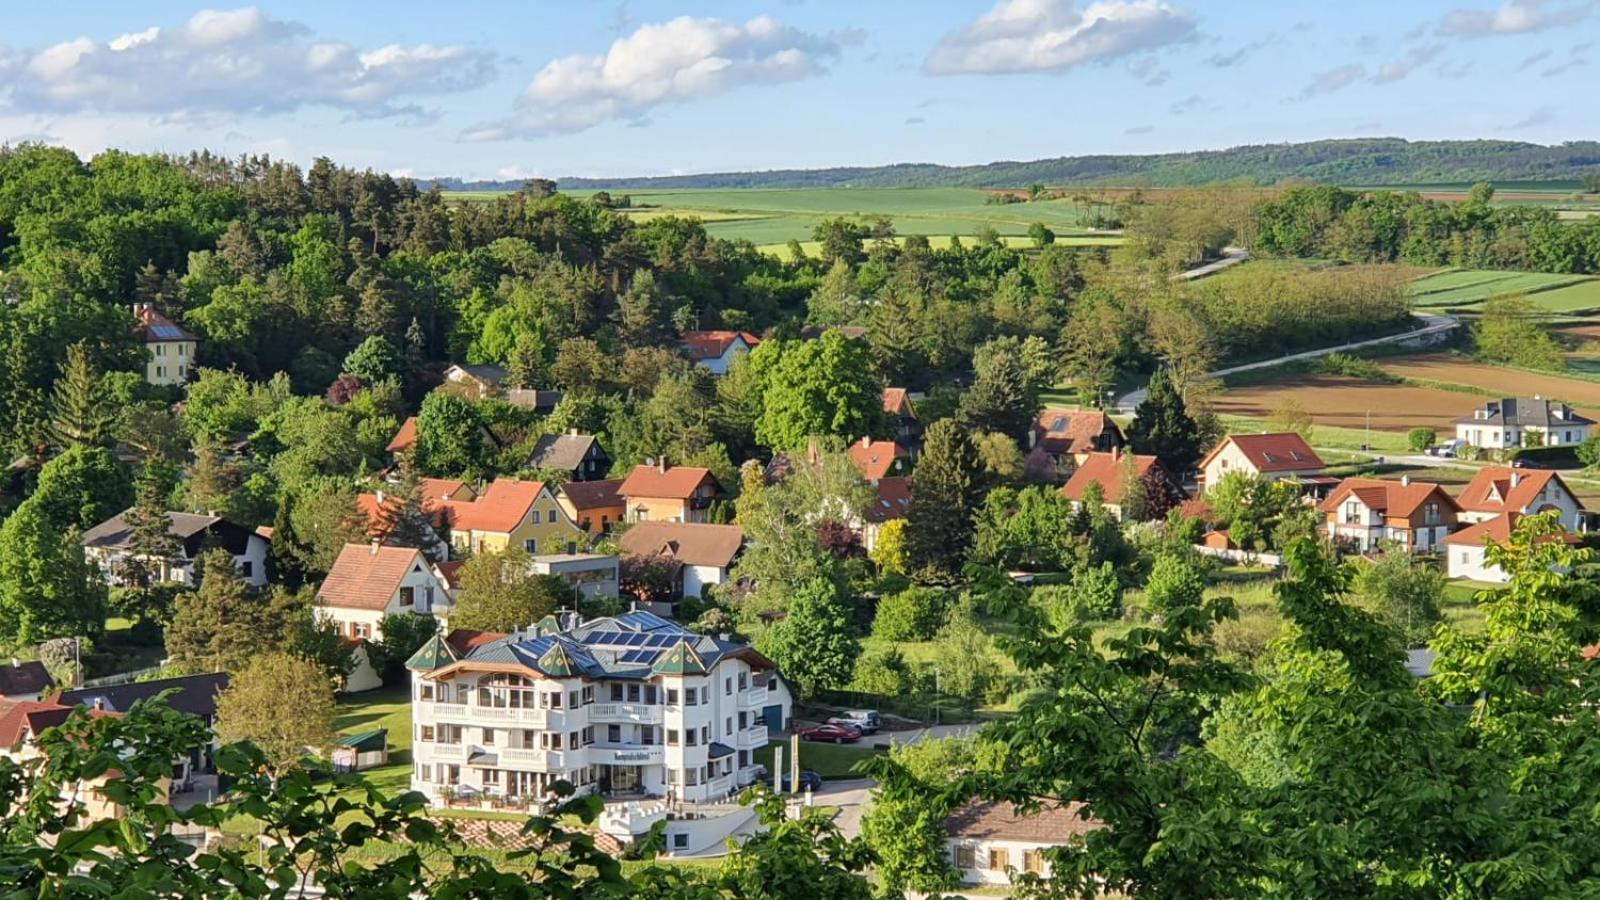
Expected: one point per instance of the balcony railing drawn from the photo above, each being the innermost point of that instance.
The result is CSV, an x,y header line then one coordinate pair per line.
x,y
753,698
754,736
640,713
430,710
432,751
536,718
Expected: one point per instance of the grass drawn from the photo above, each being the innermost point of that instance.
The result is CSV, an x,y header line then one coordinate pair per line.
x,y
942,241
1328,435
1464,289
828,760
389,708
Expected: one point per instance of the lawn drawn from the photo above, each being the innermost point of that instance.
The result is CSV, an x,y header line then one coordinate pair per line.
x,y
828,760
389,708
1468,288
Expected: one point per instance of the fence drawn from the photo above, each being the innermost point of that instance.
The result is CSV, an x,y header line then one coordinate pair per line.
x,y
120,678
1248,557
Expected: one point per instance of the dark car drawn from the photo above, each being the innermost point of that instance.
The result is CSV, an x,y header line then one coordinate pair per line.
x,y
837,734
809,781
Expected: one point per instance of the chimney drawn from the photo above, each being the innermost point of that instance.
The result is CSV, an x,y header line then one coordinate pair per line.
x,y
379,493
372,548
15,664
100,704
1516,478
572,432
1405,481
661,464
866,440
724,636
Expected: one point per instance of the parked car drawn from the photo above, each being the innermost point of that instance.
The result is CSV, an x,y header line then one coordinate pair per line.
x,y
837,734
847,725
1449,449
809,780
865,721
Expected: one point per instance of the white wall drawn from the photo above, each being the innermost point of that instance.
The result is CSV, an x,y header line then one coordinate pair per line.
x,y
979,874
1472,562
696,578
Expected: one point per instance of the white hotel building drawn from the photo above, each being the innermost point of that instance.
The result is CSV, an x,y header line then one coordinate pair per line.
x,y
632,705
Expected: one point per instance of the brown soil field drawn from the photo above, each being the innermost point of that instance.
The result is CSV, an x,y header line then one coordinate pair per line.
x,y
1585,395
1344,402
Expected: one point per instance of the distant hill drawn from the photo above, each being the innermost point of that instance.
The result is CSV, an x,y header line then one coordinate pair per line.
x,y
1356,161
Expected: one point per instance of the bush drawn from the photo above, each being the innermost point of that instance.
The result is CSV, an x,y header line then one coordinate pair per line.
x,y
1589,452
914,614
884,673
1419,439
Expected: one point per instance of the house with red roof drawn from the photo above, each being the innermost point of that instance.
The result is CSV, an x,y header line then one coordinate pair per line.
x,y
1467,551
1415,516
1111,472
21,724
661,492
1065,437
990,841
879,459
1496,490
716,349
512,513
891,498
1275,457
379,508
369,581
597,506
405,438
902,415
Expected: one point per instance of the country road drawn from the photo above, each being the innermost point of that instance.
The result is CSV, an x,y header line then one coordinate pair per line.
x,y
1127,403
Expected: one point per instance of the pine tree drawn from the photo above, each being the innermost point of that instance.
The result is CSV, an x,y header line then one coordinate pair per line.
x,y
151,543
402,520
1162,427
939,525
1001,399
79,413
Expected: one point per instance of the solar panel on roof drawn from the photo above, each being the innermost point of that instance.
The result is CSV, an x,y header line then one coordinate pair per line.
x,y
637,640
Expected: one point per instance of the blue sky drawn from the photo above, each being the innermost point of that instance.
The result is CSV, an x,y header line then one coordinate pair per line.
x,y
567,87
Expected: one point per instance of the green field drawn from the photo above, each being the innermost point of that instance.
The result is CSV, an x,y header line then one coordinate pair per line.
x,y
1462,289
774,217
942,242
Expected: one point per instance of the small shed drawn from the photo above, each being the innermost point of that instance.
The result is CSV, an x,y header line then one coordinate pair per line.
x,y
355,752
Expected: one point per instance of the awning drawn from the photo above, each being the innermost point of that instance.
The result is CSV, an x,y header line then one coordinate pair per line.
x,y
483,759
719,750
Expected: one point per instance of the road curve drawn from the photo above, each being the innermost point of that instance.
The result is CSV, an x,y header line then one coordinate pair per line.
x,y
1431,324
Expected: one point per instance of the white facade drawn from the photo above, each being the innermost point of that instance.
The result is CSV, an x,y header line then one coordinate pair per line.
x,y
1554,495
1464,561
991,861
697,578
1231,458
420,592
1488,429
512,735
251,564
719,365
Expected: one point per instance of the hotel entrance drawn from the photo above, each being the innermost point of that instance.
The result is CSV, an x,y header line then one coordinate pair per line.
x,y
623,780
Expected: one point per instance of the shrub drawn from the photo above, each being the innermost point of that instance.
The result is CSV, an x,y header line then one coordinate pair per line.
x,y
914,614
884,673
1420,439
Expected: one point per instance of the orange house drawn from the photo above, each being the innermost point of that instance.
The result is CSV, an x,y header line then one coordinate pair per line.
x,y
662,492
1414,515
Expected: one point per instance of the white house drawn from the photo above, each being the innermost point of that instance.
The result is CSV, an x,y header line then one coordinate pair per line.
x,y
369,581
1467,551
990,841
631,705
110,544
1272,456
1514,422
590,574
703,553
169,349
1495,490
716,349
1415,516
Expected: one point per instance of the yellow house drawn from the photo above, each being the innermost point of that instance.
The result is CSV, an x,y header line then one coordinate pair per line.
x,y
512,513
170,349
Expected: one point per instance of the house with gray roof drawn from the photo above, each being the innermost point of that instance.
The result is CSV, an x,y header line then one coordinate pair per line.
x,y
580,456
111,545
1523,422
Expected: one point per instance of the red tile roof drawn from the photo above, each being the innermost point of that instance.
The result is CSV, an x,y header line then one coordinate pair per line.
x,y
406,437
875,458
464,640
702,345
153,327
690,544
1392,498
1052,825
1283,452
500,508
23,719
450,571
674,483
1070,430
1106,470
892,501
366,576
897,402
1504,489
1498,530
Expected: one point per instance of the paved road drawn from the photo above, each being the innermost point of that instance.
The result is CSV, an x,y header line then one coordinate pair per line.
x,y
1231,256
852,796
1431,325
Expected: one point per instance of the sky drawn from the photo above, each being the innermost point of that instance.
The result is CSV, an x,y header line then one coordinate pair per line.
x,y
552,88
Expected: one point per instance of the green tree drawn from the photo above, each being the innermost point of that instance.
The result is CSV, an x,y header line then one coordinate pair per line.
x,y
815,388
888,552
152,547
914,614
374,360
1002,399
1420,439
1509,331
47,586
403,636
282,704
1403,591
1041,235
220,624
884,673
840,239
449,436
83,487
904,825
813,645
79,413
939,519
500,592
1163,428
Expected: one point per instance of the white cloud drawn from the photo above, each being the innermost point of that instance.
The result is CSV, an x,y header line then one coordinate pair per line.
x,y
659,64
1540,117
1336,79
1053,36
233,61
1514,17
1400,68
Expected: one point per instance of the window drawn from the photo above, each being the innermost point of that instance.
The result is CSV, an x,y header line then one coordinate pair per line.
x,y
488,737
1463,557
424,732
408,595
616,693
727,726
672,696
633,693
572,699
997,859
550,516
427,601
555,700
572,546
530,545
425,691
691,738
180,351
1033,861
689,697
744,681
161,349
744,758
705,733
424,771
727,687
744,721
572,740
650,695
966,858
614,734
1352,512
360,630
491,776
1430,513
247,568
680,841
672,737
551,740
588,693
161,371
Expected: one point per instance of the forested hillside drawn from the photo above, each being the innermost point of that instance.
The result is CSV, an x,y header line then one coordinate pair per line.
x,y
1360,161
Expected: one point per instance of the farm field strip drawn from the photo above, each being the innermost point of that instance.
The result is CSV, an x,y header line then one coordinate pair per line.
x,y
1446,369
1340,401
1462,288
942,241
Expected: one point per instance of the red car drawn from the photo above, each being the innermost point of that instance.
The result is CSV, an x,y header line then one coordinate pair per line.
x,y
837,734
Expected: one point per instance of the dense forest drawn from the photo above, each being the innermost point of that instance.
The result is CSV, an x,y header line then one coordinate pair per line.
x,y
1362,161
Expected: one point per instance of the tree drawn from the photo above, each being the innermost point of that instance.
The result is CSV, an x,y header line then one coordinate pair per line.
x,y
815,388
884,673
1041,235
840,239
449,436
939,518
904,824
83,487
888,552
373,360
813,645
47,586
402,636
402,518
1591,183
220,624
79,413
1001,398
914,614
967,663
652,578
1406,593
1290,416
1163,428
500,592
322,518
1420,439
152,546
1509,331
282,704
